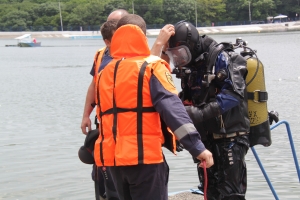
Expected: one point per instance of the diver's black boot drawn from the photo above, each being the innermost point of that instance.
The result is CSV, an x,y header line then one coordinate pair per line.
x,y
200,187
200,176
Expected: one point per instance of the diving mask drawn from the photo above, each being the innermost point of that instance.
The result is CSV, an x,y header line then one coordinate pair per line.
x,y
179,56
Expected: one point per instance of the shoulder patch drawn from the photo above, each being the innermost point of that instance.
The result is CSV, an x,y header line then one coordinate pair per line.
x,y
170,78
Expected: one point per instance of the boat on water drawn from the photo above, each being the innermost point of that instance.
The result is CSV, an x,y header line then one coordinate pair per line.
x,y
26,41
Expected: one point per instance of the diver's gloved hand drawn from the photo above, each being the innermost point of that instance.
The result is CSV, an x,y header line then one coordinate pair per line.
x,y
179,146
273,116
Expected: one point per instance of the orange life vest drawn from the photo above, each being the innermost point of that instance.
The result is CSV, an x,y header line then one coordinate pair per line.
x,y
97,61
130,127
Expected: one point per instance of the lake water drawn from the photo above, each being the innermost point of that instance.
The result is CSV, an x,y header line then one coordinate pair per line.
x,y
42,93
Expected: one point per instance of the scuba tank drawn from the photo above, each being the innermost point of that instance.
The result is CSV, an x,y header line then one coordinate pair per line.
x,y
260,132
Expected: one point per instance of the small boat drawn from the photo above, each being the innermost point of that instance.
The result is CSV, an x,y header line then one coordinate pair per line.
x,y
26,41
280,18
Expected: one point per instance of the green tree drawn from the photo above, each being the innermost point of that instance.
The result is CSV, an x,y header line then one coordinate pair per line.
x,y
290,8
5,8
90,14
47,9
73,20
151,12
16,20
177,10
26,13
260,9
233,11
210,10
115,4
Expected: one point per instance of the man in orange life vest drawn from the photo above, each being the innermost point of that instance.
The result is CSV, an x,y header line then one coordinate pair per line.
x,y
102,57
90,97
135,97
104,186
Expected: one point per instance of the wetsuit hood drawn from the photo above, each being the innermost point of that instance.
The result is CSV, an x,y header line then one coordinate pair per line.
x,y
129,41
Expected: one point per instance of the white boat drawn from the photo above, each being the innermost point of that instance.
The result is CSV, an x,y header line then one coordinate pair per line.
x,y
27,41
280,18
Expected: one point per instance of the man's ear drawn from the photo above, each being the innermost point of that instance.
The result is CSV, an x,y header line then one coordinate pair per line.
x,y
107,42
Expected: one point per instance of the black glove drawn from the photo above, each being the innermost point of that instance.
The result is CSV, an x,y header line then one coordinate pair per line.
x,y
273,116
179,146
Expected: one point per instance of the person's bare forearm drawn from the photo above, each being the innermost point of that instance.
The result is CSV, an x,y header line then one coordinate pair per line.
x,y
90,99
161,43
157,48
88,108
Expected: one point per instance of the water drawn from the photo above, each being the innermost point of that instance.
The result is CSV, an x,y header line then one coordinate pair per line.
x,y
42,93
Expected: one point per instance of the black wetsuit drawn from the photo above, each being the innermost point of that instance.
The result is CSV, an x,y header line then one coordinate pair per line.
x,y
224,125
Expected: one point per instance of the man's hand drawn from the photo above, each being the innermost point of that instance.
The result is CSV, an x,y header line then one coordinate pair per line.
x,y
207,157
161,42
86,123
88,108
164,35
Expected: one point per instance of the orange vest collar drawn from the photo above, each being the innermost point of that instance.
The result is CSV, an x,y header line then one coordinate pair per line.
x,y
129,41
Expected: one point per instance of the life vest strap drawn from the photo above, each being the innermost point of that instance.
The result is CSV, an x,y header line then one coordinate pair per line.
x,y
114,109
122,110
140,113
101,125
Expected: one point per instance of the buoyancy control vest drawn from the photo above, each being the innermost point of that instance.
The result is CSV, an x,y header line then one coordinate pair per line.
x,y
256,91
234,121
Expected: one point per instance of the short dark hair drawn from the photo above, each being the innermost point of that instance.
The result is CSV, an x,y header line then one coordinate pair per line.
x,y
133,19
108,28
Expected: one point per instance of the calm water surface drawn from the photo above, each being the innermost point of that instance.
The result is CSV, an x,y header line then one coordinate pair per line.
x,y
42,93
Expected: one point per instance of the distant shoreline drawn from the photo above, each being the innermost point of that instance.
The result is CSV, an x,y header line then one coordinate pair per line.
x,y
254,28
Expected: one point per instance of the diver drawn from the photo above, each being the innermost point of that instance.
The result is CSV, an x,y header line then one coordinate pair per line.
x,y
214,92
217,98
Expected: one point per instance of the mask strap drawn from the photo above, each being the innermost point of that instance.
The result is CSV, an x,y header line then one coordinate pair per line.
x,y
189,35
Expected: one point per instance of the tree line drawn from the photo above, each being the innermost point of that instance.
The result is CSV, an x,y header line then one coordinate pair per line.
x,y
90,14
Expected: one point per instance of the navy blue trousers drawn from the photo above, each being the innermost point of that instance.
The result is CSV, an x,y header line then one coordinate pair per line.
x,y
147,182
